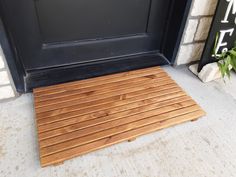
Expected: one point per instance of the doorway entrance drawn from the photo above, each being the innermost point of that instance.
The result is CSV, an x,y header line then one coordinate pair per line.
x,y
56,41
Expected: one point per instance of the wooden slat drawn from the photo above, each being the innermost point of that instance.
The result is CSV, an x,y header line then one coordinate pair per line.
x,y
93,97
102,88
81,140
101,116
64,135
114,100
98,81
69,112
74,152
140,85
127,115
79,117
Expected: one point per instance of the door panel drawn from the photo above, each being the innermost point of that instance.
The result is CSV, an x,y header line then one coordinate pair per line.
x,y
89,19
91,51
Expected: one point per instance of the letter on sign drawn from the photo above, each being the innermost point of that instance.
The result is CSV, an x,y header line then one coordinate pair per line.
x,y
231,6
221,43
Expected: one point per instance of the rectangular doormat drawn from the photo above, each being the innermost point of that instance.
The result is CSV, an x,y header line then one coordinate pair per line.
x,y
79,117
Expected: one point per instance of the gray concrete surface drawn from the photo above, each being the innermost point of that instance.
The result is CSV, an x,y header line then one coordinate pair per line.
x,y
206,148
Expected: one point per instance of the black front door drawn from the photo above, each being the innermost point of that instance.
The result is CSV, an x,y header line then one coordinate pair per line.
x,y
62,40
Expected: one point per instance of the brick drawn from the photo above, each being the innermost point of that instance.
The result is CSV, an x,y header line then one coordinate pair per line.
x,y
1,59
1,62
203,28
4,79
6,92
189,53
203,7
190,30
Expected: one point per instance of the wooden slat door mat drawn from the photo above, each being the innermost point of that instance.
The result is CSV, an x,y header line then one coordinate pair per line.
x,y
79,117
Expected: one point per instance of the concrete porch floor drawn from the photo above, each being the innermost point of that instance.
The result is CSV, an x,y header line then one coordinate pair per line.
x,y
205,148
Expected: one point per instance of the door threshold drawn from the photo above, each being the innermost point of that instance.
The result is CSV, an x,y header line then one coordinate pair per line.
x,y
52,76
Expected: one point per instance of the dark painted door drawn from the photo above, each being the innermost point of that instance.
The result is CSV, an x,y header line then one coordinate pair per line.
x,y
53,33
96,36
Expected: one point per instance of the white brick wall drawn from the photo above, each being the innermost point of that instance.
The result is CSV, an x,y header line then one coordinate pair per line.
x,y
196,31
6,92
6,86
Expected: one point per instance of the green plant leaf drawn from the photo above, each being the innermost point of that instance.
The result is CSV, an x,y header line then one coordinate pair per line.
x,y
227,60
228,66
215,45
233,52
227,71
233,62
222,69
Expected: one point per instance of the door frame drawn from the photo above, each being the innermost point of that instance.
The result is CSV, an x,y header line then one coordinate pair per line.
x,y
26,81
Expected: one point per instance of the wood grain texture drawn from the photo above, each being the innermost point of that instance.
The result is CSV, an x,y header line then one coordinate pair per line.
x,y
79,117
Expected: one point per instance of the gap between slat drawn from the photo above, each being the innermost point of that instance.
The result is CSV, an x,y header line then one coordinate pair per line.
x,y
58,99
77,90
87,98
105,113
74,137
113,131
119,100
82,124
74,152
